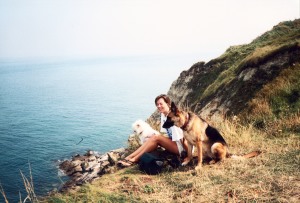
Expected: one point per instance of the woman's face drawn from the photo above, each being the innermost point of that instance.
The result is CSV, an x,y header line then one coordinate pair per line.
x,y
162,106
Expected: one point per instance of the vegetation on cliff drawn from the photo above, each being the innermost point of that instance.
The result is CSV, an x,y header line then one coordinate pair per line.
x,y
258,77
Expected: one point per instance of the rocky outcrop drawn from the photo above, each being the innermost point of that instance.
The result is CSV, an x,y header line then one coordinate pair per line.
x,y
226,84
85,168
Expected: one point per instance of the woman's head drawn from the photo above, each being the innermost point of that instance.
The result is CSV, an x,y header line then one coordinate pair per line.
x,y
163,103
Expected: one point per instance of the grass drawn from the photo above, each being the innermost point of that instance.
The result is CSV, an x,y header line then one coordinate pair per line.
x,y
29,187
276,106
283,37
272,176
3,194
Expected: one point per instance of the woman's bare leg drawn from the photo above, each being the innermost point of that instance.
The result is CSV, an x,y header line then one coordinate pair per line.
x,y
151,145
141,148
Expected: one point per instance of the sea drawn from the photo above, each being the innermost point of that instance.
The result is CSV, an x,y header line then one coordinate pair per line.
x,y
52,110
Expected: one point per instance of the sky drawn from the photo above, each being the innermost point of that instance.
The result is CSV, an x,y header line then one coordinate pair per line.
x,y
113,28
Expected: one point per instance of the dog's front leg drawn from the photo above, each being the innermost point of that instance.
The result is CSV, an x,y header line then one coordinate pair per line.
x,y
189,155
199,150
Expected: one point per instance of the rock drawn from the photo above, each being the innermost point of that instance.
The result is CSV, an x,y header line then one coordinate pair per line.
x,y
110,170
73,170
92,165
103,158
89,153
76,163
65,165
84,166
78,157
113,157
103,167
92,158
87,167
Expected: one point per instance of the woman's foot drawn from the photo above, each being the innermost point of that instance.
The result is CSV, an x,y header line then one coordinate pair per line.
x,y
125,163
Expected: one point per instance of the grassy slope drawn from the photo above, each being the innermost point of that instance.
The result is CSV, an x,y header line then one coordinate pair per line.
x,y
276,106
273,176
281,37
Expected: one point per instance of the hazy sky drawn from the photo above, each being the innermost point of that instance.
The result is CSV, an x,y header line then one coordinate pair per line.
x,y
97,28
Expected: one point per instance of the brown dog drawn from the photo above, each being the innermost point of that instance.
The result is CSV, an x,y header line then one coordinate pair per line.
x,y
208,141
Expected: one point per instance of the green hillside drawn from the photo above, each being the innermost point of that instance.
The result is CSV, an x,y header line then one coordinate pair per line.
x,y
258,82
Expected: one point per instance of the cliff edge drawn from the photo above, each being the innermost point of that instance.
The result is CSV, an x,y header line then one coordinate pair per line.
x,y
254,81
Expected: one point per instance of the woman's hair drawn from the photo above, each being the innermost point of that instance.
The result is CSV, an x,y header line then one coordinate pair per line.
x,y
165,98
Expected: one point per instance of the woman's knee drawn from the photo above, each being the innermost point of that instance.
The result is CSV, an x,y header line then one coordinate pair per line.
x,y
154,138
158,139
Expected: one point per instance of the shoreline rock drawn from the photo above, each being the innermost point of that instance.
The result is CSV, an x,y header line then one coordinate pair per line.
x,y
85,168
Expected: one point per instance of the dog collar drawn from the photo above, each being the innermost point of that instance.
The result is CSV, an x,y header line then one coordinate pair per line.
x,y
187,117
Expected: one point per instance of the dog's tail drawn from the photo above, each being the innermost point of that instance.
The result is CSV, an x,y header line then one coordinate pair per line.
x,y
249,155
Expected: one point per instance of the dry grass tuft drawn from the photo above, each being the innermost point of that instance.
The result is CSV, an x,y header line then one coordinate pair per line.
x,y
3,193
28,184
31,197
258,54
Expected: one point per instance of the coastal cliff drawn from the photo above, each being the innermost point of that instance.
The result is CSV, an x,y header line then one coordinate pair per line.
x,y
229,84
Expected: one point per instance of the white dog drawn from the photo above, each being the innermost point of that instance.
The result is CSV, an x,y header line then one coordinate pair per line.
x,y
143,130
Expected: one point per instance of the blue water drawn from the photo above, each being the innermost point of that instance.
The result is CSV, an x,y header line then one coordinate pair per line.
x,y
46,108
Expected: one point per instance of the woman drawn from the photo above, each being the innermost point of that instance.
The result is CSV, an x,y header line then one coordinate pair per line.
x,y
172,142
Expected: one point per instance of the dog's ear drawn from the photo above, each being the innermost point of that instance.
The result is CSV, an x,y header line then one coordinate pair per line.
x,y
174,108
